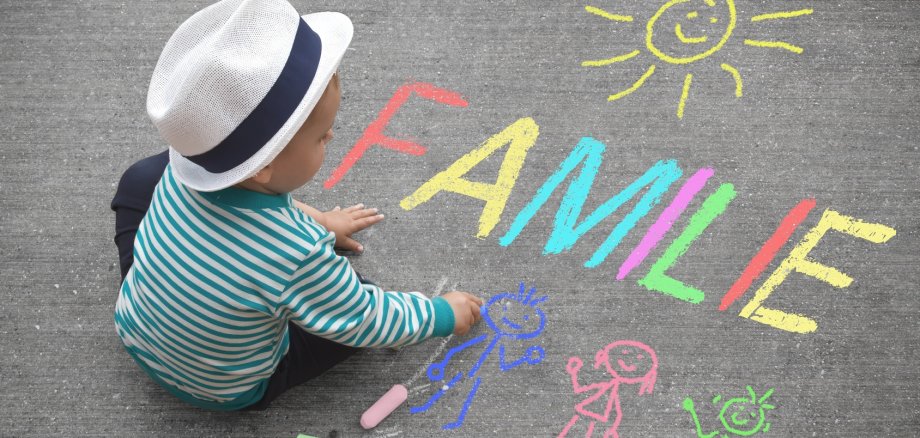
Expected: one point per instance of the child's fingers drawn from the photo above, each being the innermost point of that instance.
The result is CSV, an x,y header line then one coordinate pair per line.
x,y
469,321
348,243
363,223
355,207
362,213
474,299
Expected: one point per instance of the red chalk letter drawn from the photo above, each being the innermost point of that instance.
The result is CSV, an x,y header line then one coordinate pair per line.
x,y
374,136
767,252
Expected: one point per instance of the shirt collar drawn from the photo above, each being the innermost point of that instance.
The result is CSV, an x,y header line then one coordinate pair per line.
x,y
244,198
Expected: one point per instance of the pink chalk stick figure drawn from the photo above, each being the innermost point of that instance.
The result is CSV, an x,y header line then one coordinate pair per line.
x,y
629,362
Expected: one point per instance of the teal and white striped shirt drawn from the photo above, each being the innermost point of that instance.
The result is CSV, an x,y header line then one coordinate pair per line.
x,y
204,309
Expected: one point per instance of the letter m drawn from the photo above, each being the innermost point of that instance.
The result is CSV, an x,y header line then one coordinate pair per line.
x,y
566,230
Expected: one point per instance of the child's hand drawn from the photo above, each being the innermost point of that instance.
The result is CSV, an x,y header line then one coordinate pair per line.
x,y
466,310
348,221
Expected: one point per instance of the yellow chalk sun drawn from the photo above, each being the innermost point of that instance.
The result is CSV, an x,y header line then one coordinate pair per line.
x,y
693,38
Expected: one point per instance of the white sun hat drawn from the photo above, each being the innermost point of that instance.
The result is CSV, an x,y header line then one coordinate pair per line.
x,y
236,81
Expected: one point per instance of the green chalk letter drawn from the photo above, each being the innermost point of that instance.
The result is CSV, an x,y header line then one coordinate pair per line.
x,y
657,279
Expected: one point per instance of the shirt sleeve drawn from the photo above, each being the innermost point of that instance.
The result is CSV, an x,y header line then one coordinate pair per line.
x,y
327,299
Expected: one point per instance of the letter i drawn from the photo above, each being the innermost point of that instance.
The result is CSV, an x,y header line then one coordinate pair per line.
x,y
767,252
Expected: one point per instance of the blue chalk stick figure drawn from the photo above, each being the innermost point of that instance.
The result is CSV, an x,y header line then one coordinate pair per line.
x,y
523,320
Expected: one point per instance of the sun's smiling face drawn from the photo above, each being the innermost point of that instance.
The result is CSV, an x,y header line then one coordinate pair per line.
x,y
683,31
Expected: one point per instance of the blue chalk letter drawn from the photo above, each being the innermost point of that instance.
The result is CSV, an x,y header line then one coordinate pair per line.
x,y
566,230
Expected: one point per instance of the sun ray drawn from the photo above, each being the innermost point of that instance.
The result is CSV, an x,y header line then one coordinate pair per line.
x,y
683,96
736,75
603,62
602,13
781,14
777,44
634,86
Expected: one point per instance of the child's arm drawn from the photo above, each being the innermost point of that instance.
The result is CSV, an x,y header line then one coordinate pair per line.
x,y
326,298
310,211
573,367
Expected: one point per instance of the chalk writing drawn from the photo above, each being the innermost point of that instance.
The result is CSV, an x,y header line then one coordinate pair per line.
x,y
522,320
690,39
565,231
798,261
667,218
374,136
521,135
656,279
768,252
740,416
629,363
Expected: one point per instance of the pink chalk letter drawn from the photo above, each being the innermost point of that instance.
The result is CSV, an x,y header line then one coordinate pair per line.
x,y
665,221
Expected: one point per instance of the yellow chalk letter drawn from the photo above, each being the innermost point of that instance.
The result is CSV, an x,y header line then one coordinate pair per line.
x,y
798,261
521,135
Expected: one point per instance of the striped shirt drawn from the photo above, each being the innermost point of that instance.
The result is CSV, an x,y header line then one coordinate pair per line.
x,y
216,277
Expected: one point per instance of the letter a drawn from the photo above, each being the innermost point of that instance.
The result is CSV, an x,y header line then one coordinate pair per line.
x,y
521,135
798,261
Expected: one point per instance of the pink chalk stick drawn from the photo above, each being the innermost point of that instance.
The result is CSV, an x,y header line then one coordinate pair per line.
x,y
393,398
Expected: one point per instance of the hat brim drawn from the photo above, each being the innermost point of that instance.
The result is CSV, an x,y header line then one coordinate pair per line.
x,y
335,31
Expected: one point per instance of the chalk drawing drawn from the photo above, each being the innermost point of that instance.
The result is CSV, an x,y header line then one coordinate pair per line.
x,y
798,261
629,363
777,44
602,13
520,136
526,322
374,136
656,279
569,227
784,14
566,229
768,252
740,416
739,85
665,221
683,95
693,38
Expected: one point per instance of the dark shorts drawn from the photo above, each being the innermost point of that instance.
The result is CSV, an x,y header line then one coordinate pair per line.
x,y
308,355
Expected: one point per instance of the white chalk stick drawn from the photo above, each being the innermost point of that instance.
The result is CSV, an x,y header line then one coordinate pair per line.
x,y
393,398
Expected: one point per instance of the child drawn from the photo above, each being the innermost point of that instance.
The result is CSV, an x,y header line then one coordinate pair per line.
x,y
231,290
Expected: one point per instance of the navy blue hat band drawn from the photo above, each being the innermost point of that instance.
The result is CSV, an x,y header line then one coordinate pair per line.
x,y
273,111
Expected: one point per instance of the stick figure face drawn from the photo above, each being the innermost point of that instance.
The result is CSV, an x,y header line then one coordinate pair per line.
x,y
630,361
745,416
516,315
700,28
